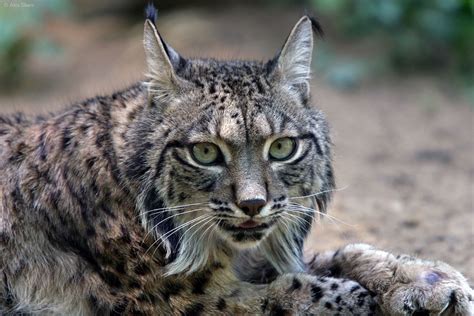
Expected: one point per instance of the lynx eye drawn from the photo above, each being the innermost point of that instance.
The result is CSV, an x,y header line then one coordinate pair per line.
x,y
282,149
206,153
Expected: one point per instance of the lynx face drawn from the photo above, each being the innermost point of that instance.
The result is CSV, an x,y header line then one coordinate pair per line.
x,y
234,150
246,152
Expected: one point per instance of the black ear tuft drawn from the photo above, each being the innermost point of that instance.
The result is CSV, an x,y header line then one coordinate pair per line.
x,y
317,28
151,13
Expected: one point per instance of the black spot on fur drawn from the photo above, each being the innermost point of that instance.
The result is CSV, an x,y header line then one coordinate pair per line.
x,y
111,279
142,269
316,293
221,304
19,155
4,238
277,310
119,308
90,162
199,282
212,89
182,196
142,297
120,266
9,298
170,192
171,288
125,238
134,284
198,83
67,138
354,288
295,285
217,265
264,305
43,152
195,309
260,88
335,271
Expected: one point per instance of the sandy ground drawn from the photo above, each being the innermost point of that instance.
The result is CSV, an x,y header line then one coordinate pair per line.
x,y
404,148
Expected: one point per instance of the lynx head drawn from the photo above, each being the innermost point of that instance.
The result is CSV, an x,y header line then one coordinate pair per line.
x,y
231,153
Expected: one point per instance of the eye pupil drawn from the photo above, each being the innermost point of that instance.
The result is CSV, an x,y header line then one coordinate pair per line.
x,y
282,149
206,153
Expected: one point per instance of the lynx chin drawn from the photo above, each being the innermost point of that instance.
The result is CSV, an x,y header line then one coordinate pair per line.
x,y
191,193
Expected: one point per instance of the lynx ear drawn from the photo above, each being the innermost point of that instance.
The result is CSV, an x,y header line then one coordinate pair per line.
x,y
293,64
162,62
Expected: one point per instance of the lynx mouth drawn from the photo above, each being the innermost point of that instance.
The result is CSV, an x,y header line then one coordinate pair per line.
x,y
249,231
247,226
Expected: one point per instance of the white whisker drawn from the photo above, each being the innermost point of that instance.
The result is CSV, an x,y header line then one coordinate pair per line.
x,y
167,218
207,229
191,222
297,208
316,194
291,220
300,219
203,222
283,221
165,209
300,208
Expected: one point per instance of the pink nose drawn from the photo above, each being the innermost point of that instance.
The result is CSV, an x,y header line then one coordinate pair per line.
x,y
252,207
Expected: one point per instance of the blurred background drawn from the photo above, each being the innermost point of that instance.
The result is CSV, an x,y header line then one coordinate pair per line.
x,y
395,79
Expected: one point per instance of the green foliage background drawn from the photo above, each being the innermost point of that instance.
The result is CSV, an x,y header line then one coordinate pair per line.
x,y
402,35
412,35
17,20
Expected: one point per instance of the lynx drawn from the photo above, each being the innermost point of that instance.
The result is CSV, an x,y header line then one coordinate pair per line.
x,y
191,193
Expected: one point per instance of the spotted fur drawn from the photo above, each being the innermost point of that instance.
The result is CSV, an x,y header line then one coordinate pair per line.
x,y
104,211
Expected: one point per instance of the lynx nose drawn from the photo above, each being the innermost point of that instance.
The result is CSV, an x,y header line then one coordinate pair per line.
x,y
252,207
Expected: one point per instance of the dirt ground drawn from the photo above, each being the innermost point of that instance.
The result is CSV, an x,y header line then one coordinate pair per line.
x,y
403,147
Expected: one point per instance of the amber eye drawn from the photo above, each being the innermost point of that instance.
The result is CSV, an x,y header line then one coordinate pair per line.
x,y
206,153
282,149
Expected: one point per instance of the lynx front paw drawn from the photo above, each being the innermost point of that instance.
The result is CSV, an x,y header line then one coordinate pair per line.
x,y
427,288
308,295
